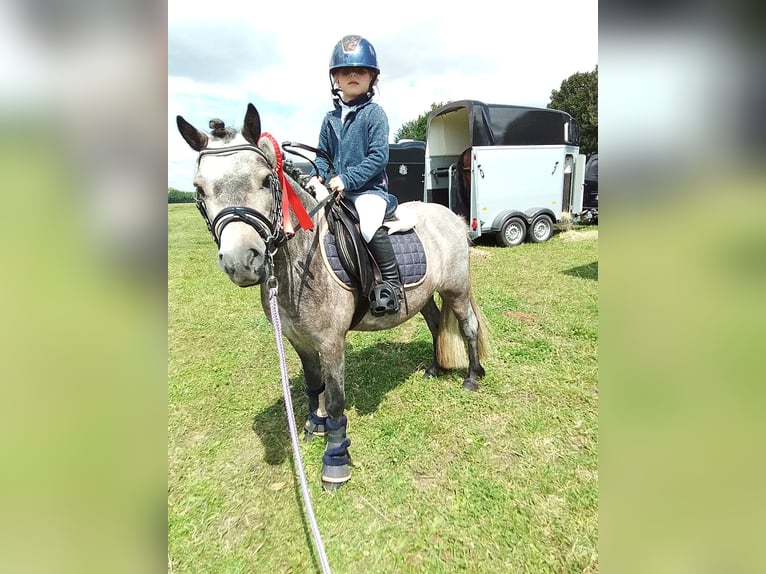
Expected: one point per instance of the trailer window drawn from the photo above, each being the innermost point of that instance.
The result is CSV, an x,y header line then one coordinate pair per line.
x,y
481,135
521,126
572,135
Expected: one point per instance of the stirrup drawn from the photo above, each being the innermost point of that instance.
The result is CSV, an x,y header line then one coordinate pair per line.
x,y
384,298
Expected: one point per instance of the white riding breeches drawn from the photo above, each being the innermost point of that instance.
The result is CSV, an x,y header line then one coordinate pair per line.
x,y
372,210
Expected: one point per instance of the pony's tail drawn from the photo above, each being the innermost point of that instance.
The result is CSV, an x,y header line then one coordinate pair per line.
x,y
450,345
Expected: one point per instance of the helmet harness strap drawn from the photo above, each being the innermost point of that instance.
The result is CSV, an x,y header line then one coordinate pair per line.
x,y
363,98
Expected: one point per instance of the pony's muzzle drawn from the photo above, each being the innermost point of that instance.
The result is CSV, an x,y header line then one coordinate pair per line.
x,y
242,261
245,268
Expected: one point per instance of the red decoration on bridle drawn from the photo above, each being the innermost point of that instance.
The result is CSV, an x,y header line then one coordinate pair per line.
x,y
290,199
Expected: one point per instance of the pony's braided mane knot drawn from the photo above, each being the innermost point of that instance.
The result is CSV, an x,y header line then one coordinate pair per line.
x,y
220,131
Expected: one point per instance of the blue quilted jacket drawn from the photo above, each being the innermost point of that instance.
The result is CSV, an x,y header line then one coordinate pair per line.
x,y
358,148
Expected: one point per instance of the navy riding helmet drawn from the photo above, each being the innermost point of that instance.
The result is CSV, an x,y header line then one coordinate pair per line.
x,y
354,52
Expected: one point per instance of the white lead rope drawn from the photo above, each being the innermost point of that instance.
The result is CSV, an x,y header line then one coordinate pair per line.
x,y
293,430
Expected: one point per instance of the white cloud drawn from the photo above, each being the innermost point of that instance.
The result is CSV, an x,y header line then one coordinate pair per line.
x,y
276,56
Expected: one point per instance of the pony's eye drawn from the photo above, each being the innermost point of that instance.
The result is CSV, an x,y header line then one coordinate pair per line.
x,y
200,193
267,181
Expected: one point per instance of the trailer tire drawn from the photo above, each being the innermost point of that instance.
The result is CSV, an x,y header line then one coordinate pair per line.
x,y
541,229
512,233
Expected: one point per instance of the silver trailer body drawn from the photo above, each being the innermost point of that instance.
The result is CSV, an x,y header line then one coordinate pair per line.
x,y
513,171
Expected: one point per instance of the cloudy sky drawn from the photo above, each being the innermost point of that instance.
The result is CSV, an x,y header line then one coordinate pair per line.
x,y
222,55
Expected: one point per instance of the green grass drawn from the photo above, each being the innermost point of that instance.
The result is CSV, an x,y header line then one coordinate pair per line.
x,y
503,480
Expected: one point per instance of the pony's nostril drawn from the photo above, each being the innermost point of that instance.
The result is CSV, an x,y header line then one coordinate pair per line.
x,y
251,258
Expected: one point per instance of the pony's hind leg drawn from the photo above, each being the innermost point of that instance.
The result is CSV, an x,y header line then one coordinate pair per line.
x,y
470,325
431,314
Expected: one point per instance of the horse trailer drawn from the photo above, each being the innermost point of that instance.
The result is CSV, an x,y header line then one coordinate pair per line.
x,y
511,171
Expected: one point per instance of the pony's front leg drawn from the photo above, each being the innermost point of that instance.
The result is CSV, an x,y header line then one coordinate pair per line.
x,y
312,372
336,462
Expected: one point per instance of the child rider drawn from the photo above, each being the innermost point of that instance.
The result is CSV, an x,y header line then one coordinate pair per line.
x,y
355,136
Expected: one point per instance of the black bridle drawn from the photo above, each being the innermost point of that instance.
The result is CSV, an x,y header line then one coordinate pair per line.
x,y
269,230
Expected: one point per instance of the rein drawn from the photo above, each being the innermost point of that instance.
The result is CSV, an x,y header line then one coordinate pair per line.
x,y
287,147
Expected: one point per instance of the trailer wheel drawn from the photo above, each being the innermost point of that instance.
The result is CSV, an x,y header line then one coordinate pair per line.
x,y
512,233
541,229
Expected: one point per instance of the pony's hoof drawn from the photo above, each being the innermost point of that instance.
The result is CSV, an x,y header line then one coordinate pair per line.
x,y
312,429
432,371
470,385
333,477
331,486
333,483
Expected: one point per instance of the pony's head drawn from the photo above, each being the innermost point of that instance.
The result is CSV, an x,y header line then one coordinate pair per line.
x,y
236,192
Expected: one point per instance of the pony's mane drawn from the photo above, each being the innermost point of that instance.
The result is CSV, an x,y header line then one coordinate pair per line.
x,y
293,170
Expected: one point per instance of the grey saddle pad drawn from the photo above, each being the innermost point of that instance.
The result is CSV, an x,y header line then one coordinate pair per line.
x,y
409,255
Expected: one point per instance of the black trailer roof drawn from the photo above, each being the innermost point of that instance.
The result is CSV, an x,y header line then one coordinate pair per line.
x,y
503,124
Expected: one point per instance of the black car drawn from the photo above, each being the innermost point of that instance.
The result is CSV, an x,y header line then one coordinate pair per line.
x,y
590,189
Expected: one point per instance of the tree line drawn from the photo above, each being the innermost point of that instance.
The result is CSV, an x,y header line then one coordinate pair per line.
x,y
178,196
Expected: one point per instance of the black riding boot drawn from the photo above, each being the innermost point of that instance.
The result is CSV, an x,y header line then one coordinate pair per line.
x,y
384,297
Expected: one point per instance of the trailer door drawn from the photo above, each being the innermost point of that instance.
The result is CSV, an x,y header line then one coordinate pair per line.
x,y
516,178
578,183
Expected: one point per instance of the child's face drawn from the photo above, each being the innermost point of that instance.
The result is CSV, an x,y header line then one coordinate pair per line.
x,y
353,82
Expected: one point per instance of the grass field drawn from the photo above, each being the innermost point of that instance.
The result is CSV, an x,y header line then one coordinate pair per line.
x,y
502,480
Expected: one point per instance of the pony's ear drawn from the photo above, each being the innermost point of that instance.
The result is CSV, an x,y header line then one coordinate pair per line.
x,y
195,138
251,130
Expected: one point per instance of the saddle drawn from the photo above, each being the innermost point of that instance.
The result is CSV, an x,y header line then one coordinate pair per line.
x,y
352,250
